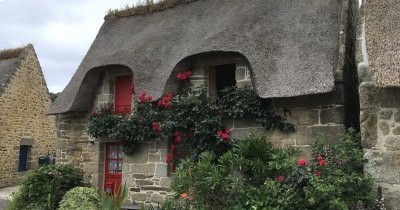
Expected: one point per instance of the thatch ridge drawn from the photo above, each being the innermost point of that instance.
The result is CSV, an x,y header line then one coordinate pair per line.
x,y
10,53
148,8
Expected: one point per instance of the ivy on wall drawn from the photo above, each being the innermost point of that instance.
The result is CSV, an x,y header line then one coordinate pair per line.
x,y
191,118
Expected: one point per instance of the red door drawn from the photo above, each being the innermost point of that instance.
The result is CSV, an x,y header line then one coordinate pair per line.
x,y
123,94
113,168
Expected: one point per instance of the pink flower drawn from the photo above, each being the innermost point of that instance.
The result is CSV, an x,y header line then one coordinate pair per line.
x,y
149,98
317,173
279,179
142,97
184,75
301,162
319,158
178,139
160,103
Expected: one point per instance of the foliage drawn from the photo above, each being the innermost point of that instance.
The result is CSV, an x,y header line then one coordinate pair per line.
x,y
148,7
254,175
113,201
53,96
80,198
44,187
190,117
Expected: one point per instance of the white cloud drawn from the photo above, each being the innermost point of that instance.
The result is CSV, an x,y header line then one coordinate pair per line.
x,y
61,31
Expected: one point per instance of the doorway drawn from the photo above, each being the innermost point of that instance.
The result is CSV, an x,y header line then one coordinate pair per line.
x,y
113,168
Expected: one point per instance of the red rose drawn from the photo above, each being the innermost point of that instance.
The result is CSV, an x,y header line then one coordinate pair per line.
x,y
156,127
167,105
160,103
149,98
301,162
319,158
188,73
322,162
178,139
317,173
142,97
279,179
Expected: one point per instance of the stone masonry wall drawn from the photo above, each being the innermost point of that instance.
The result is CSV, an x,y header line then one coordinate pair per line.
x,y
380,123
23,119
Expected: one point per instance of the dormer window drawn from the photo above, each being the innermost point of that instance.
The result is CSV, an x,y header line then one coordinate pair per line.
x,y
123,94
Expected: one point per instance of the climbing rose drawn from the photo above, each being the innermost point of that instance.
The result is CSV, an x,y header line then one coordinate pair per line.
x,y
142,97
156,127
319,158
178,139
279,179
224,135
301,162
317,173
165,101
184,75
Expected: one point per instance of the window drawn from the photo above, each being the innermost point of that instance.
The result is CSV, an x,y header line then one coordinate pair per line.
x,y
123,94
220,77
23,158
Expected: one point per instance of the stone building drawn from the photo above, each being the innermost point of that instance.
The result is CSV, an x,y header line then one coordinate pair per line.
x,y
378,62
26,131
324,65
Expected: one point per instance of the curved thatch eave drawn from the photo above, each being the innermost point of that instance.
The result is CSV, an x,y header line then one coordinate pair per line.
x,y
290,45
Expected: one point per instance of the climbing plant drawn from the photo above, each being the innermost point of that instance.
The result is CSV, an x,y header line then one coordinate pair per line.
x,y
189,117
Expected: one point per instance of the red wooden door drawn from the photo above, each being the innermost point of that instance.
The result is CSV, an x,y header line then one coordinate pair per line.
x,y
123,94
113,168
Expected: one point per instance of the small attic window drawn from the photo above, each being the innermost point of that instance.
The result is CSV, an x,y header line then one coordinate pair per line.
x,y
220,77
123,95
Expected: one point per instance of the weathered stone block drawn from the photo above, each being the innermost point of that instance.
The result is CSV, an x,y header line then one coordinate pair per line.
x,y
384,127
392,143
161,170
246,122
140,156
396,130
165,182
157,198
391,194
383,165
135,189
389,97
385,114
139,176
155,188
328,134
332,115
154,158
139,196
369,134
368,93
397,117
303,117
141,182
142,168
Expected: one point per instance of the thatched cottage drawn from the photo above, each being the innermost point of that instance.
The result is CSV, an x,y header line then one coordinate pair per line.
x,y
26,131
299,54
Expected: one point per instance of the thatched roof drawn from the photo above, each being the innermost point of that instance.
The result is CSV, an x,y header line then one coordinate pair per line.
x,y
9,60
290,46
383,41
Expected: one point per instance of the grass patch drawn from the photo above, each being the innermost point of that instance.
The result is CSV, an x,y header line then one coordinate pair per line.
x,y
10,53
147,7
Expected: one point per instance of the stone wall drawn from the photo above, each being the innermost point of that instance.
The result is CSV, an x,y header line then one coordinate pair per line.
x,y
23,119
380,123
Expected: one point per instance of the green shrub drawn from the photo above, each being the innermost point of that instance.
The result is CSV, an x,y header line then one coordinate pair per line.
x,y
44,187
80,198
254,175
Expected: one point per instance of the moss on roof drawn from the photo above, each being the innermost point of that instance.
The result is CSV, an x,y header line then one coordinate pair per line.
x,y
10,53
147,8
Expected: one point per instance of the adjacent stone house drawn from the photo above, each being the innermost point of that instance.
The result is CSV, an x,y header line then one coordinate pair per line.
x,y
26,131
295,53
378,61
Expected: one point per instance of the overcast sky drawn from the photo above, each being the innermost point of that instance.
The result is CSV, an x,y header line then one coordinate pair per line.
x,y
60,30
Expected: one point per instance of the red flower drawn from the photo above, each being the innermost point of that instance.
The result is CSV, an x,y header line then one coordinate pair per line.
x,y
166,101
178,139
279,179
168,158
156,127
224,135
149,98
167,105
142,97
317,173
319,158
183,75
160,103
301,162
322,162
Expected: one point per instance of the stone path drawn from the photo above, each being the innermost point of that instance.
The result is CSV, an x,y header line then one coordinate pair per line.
x,y
4,195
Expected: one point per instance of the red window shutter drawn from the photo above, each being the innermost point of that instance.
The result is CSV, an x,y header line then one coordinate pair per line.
x,y
123,96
